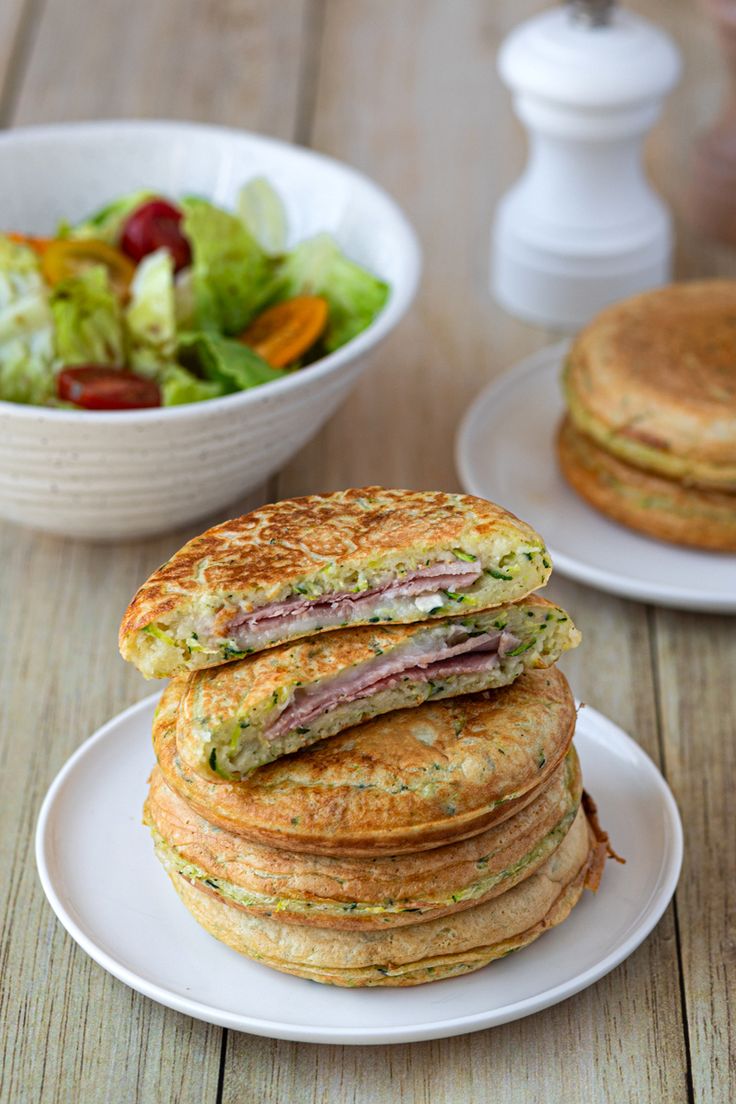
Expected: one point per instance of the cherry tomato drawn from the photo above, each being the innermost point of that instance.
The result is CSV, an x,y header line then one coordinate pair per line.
x,y
154,225
99,387
282,334
69,256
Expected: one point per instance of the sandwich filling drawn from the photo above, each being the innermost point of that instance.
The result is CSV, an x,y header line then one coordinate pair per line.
x,y
425,589
262,708
428,657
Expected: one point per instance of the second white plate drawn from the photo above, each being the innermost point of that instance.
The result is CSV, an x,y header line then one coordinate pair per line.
x,y
506,452
100,875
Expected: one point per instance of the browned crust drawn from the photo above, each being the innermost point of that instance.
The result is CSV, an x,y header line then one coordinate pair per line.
x,y
283,541
600,844
651,504
658,368
407,781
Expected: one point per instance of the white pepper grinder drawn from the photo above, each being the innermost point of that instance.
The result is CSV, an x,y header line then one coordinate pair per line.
x,y
582,227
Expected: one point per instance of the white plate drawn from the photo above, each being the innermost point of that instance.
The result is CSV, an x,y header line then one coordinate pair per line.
x,y
100,875
505,452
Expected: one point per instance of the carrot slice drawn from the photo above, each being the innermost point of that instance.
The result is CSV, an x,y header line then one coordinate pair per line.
x,y
284,333
39,245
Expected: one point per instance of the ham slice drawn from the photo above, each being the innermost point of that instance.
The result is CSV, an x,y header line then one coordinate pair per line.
x,y
279,619
435,658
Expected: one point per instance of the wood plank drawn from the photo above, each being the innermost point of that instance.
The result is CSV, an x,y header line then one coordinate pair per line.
x,y
72,1033
16,27
697,660
237,62
71,1029
691,108
696,655
430,130
438,152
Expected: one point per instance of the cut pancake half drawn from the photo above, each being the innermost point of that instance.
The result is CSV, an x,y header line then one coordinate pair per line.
x,y
307,565
406,781
235,718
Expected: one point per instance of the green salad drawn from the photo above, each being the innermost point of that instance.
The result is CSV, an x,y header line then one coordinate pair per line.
x,y
152,302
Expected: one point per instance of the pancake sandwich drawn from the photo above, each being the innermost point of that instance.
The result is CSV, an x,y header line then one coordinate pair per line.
x,y
306,565
406,781
365,773
650,437
235,718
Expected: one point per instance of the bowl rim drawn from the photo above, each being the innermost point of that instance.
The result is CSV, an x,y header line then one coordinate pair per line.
x,y
400,297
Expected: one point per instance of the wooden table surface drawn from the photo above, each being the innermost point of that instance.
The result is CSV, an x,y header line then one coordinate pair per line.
x,y
405,90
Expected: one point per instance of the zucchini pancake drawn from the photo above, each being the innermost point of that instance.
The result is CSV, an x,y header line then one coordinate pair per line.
x,y
306,565
407,781
365,773
240,716
650,437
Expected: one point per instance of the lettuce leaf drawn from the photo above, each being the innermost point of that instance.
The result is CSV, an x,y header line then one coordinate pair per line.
x,y
107,223
262,213
231,275
229,363
355,296
150,315
181,386
88,319
26,327
184,299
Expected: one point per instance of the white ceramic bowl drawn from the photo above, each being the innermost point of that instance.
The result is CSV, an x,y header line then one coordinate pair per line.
x,y
134,473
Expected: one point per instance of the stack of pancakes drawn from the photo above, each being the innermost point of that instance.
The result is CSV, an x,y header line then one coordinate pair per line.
x,y
381,803
650,434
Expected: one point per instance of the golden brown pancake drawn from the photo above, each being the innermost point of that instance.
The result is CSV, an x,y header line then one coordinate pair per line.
x,y
406,781
237,717
415,953
305,565
661,508
362,893
652,380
